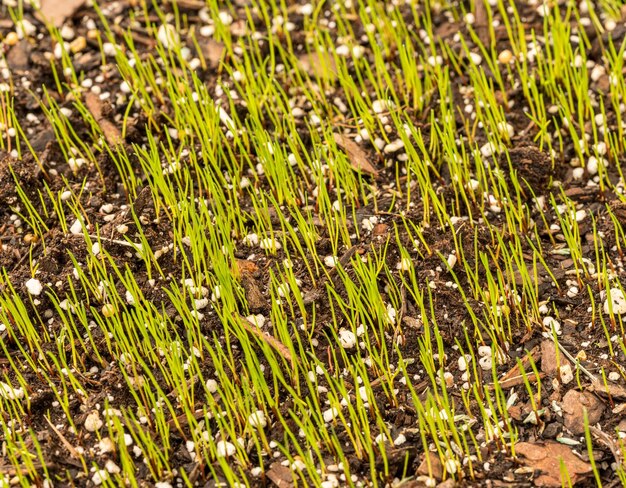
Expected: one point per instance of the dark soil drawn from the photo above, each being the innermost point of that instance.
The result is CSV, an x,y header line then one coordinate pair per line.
x,y
106,206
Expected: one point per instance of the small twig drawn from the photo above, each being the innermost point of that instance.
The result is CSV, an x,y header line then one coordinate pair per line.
x,y
575,361
269,339
70,448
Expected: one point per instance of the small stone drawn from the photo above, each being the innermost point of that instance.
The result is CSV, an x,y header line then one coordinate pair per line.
x,y
106,445
331,261
463,361
10,393
487,150
398,441
485,363
475,58
552,325
269,244
99,477
77,227
393,146
330,414
111,467
211,385
379,106
578,173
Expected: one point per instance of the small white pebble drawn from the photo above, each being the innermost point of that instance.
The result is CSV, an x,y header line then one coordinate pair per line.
x,y
34,286
330,414
211,385
566,373
331,261
347,339
93,422
258,420
225,449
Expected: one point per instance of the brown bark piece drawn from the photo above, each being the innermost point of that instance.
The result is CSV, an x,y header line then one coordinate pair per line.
x,y
547,458
574,404
548,357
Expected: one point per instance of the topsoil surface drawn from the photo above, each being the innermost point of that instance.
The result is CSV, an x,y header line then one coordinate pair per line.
x,y
29,63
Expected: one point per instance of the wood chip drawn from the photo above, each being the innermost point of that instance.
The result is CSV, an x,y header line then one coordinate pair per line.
x,y
57,12
254,295
111,132
356,155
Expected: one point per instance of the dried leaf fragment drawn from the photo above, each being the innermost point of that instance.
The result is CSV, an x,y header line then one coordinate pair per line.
x,y
57,12
320,65
111,132
212,51
281,476
356,155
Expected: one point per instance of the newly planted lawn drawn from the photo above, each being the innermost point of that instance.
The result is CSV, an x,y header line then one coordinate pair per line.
x,y
338,243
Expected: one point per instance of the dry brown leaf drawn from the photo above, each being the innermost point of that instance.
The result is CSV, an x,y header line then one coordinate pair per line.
x,y
245,267
280,475
58,11
356,155
212,51
269,339
320,65
111,132
547,457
